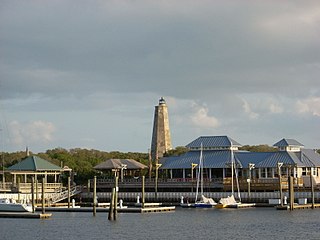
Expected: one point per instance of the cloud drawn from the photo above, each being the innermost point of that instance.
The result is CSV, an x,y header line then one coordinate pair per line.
x,y
310,105
31,133
200,117
247,109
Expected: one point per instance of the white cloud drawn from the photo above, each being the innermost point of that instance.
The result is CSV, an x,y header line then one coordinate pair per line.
x,y
31,133
201,118
247,109
309,105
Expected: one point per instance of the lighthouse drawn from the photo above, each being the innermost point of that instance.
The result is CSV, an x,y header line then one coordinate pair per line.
x,y
161,139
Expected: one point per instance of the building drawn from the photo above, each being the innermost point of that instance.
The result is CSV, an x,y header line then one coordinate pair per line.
x,y
218,152
161,139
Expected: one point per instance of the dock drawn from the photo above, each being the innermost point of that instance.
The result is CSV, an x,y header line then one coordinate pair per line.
x,y
242,205
24,215
106,209
298,206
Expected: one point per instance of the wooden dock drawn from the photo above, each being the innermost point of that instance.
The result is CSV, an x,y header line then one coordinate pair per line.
x,y
24,215
106,209
298,206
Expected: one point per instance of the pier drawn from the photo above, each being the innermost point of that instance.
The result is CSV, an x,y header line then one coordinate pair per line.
x,y
106,209
24,215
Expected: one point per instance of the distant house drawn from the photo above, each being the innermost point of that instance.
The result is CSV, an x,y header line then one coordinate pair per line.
x,y
218,151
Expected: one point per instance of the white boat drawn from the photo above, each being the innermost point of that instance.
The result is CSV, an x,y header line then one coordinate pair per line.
x,y
230,201
10,205
204,202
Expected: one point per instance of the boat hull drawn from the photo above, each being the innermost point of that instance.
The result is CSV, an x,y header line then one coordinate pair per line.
x,y
204,205
15,207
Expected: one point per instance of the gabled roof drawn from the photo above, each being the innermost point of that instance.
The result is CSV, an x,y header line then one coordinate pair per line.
x,y
213,142
285,142
119,163
34,163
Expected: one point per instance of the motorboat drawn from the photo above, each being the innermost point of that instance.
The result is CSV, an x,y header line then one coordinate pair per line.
x,y
10,205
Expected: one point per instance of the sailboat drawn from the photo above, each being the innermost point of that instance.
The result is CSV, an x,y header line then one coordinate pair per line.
x,y
230,200
204,202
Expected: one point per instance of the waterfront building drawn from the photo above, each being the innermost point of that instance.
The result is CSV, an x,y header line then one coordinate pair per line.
x,y
161,139
260,168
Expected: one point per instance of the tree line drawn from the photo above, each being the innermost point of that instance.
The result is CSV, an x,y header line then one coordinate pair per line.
x,y
82,161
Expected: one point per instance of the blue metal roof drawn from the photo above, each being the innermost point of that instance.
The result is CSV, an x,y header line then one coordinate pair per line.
x,y
213,142
285,142
222,159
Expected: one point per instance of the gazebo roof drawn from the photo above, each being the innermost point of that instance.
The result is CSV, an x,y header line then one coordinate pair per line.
x,y
34,163
119,163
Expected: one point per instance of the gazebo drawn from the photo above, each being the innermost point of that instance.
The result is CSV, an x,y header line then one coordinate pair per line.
x,y
36,166
117,165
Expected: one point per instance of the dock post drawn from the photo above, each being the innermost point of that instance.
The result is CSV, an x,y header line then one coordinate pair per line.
x,y
32,193
37,191
291,193
94,195
43,195
115,199
312,189
69,179
280,183
18,184
111,212
143,194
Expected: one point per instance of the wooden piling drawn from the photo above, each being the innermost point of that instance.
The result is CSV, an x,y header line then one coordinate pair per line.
x,y
115,203
37,191
18,186
69,179
94,195
143,194
280,188
291,193
111,211
312,189
43,196
32,194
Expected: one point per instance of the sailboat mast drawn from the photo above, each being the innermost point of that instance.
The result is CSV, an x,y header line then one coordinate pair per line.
x,y
199,176
201,161
232,168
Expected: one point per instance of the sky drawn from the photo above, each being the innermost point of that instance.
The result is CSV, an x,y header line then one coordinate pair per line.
x,y
88,74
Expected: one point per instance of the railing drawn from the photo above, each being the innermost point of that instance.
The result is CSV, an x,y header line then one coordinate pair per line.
x,y
63,194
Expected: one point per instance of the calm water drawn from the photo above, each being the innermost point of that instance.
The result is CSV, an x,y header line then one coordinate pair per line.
x,y
260,223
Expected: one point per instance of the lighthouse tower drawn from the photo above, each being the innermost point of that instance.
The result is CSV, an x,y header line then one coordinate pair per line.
x,y
161,140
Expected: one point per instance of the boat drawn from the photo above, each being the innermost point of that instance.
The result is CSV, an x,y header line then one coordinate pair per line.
x,y
204,202
10,205
186,204
230,201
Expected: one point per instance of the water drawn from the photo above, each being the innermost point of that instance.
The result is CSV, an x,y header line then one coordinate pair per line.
x,y
254,223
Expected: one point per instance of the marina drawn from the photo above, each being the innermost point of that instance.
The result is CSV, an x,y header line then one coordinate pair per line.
x,y
250,223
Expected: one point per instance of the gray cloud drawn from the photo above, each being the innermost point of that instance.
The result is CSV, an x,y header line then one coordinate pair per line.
x,y
234,59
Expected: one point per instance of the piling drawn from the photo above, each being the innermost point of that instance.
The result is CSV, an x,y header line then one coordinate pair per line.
x,y
69,179
312,189
19,198
115,203
37,192
280,187
43,195
291,193
32,194
143,194
94,195
111,207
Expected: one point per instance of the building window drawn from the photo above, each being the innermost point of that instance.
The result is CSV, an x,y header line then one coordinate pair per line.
x,y
269,173
304,171
263,173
